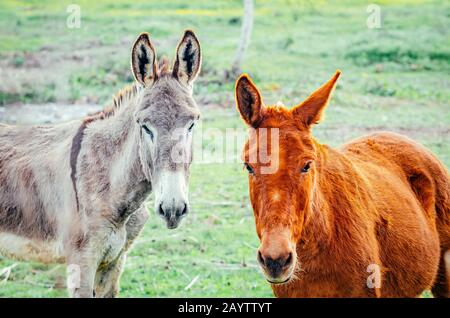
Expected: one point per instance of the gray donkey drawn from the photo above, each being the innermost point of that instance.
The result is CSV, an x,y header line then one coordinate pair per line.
x,y
74,193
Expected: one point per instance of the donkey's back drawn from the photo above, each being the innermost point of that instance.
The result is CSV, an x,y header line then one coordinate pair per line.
x,y
34,186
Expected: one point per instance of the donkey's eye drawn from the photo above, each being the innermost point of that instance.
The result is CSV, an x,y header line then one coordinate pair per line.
x,y
306,167
191,127
249,168
148,131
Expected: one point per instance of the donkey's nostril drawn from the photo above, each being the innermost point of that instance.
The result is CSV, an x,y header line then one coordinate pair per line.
x,y
184,209
160,210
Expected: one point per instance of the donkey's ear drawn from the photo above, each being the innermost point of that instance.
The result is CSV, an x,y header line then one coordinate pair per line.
x,y
188,59
310,111
143,60
248,101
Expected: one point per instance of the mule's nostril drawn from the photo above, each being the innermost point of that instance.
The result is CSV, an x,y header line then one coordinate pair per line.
x,y
260,258
288,260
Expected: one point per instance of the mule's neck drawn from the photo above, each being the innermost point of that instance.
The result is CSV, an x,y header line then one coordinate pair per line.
x,y
320,223
337,196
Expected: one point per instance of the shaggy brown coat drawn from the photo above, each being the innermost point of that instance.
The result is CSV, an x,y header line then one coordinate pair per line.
x,y
331,220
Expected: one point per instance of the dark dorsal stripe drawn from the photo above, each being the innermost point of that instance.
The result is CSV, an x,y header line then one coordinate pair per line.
x,y
74,152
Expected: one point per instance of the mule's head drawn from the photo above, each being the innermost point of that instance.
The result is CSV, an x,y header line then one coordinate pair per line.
x,y
280,156
165,117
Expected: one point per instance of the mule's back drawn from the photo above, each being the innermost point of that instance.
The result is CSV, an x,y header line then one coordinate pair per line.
x,y
414,177
412,162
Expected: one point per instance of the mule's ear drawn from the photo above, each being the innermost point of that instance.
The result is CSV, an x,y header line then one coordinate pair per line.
x,y
188,59
143,60
248,100
310,111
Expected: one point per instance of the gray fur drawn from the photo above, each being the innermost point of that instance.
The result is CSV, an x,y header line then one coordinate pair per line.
x,y
115,168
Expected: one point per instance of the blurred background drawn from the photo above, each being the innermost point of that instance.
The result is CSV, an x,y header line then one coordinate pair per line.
x,y
60,60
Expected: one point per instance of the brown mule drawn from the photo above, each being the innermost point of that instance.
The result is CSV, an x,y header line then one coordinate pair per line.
x,y
369,219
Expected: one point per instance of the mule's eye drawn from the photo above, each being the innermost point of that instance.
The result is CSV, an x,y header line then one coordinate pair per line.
x,y
249,168
191,127
306,167
148,131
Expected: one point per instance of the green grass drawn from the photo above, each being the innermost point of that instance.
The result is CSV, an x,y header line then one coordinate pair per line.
x,y
394,78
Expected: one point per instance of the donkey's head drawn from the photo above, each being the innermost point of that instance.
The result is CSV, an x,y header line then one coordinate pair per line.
x,y
280,196
166,114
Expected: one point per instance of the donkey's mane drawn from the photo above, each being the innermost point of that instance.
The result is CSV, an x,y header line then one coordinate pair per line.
x,y
124,95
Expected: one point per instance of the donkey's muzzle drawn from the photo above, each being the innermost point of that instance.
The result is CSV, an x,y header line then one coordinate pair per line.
x,y
172,213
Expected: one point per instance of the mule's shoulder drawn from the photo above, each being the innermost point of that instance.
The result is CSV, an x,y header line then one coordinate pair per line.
x,y
396,149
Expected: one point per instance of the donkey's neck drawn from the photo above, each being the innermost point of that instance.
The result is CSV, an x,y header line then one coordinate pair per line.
x,y
123,135
117,142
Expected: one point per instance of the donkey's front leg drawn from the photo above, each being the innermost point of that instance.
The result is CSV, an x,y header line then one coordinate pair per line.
x,y
81,269
87,252
108,276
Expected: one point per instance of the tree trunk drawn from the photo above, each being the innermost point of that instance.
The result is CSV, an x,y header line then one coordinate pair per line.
x,y
246,31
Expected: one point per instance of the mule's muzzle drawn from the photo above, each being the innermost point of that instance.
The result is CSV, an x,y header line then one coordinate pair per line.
x,y
173,213
277,270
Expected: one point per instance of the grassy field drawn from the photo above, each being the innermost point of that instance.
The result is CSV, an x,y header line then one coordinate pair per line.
x,y
394,78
